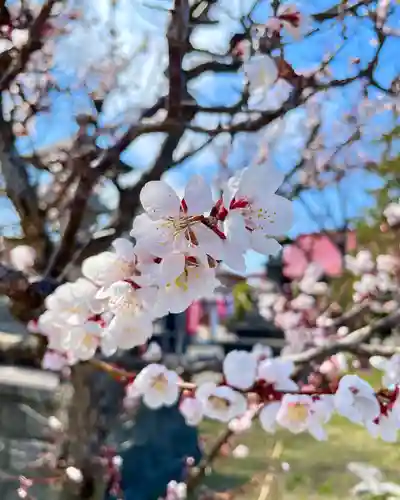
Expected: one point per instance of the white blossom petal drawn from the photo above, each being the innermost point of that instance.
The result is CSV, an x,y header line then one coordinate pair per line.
x,y
160,200
198,196
209,242
262,244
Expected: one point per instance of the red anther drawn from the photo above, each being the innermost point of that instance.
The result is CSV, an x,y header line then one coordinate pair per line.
x,y
184,206
134,285
292,18
240,203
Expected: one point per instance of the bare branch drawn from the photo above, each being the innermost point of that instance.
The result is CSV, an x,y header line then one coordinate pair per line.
x,y
25,296
177,36
78,205
33,44
350,343
340,10
22,194
13,283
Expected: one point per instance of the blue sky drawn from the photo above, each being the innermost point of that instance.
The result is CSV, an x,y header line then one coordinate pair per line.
x,y
142,80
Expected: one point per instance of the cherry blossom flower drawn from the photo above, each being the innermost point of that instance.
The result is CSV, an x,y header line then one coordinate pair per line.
x,y
386,263
392,213
372,481
81,342
71,322
277,372
288,320
19,37
268,416
367,285
303,302
256,215
157,386
241,424
291,19
176,491
127,299
73,302
261,72
266,305
74,474
153,352
361,263
55,424
240,451
221,402
390,367
243,378
192,411
299,412
385,426
170,224
126,332
5,45
261,352
194,281
54,361
355,399
342,331
22,257
106,268
334,366
310,282
372,284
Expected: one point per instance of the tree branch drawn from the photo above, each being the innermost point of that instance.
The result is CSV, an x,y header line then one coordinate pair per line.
x,y
78,205
34,43
343,9
22,194
350,343
177,36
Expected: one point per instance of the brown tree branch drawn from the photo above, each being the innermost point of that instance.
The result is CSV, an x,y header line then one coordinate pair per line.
x,y
177,36
34,43
343,9
84,439
198,473
13,284
66,247
22,194
350,343
377,350
26,296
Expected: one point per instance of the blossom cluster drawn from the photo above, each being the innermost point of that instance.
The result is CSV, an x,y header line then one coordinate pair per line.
x,y
375,276
296,311
305,311
179,243
281,402
307,315
392,213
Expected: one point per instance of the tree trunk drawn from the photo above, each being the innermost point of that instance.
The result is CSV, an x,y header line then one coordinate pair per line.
x,y
83,438
154,445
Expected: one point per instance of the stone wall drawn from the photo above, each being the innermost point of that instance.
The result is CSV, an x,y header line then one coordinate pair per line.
x,y
27,399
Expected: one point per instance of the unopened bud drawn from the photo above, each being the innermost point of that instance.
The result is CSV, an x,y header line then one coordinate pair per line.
x,y
74,474
22,493
117,461
55,424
